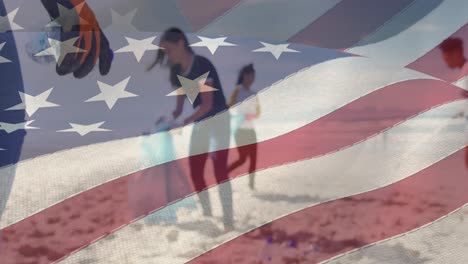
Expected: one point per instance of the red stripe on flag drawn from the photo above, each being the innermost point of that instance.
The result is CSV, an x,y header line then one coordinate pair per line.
x,y
348,22
76,222
433,64
199,15
352,222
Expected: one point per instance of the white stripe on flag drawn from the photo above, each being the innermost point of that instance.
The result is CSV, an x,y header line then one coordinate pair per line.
x,y
418,39
443,241
275,20
325,85
360,168
462,82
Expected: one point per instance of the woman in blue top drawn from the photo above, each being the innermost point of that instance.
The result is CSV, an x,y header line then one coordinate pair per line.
x,y
211,133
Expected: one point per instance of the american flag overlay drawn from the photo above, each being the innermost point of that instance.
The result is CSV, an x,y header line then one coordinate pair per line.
x,y
233,131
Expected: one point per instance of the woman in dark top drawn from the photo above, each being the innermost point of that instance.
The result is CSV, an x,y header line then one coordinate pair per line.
x,y
189,67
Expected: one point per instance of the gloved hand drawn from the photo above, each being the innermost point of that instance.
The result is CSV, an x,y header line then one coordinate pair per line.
x,y
90,39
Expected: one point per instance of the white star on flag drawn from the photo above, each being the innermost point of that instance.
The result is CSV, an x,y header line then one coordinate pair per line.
x,y
122,23
111,94
83,130
67,18
33,103
2,59
192,88
212,43
60,49
276,50
139,47
10,128
7,23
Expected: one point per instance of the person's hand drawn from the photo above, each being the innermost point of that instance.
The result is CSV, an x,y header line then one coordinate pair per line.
x,y
159,120
92,45
93,41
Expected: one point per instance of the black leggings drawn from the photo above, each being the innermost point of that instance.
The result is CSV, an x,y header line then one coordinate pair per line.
x,y
246,152
214,132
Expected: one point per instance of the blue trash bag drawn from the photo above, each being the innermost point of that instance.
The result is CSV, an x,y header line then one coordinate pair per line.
x,y
158,149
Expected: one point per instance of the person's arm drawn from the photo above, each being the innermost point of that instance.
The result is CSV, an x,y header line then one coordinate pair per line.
x,y
179,107
233,98
258,106
204,108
